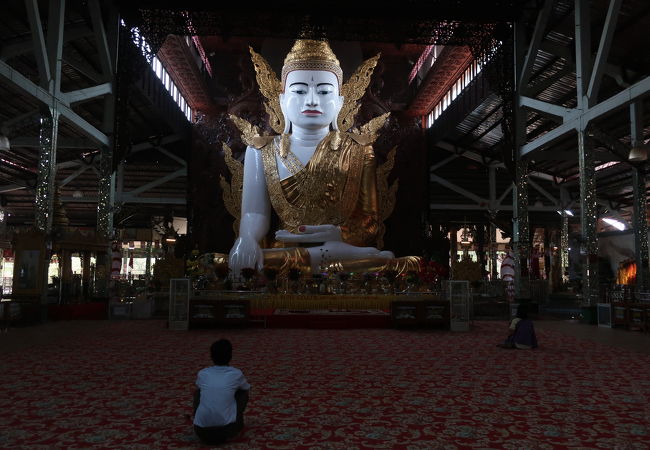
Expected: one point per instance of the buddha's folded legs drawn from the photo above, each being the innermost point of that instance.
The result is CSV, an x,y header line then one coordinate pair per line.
x,y
283,259
399,265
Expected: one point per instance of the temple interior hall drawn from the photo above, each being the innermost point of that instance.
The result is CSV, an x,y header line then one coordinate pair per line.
x,y
367,200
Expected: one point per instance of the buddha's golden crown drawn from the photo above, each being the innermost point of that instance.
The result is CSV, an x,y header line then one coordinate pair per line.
x,y
309,54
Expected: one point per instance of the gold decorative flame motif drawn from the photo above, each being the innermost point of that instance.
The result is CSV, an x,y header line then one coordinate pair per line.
x,y
232,191
270,88
353,90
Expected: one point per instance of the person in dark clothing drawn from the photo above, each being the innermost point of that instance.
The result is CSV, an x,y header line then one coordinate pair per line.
x,y
522,332
221,397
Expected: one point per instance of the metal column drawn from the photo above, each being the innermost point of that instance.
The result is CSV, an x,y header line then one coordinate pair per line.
x,y
564,235
46,170
588,204
521,231
106,198
640,204
588,221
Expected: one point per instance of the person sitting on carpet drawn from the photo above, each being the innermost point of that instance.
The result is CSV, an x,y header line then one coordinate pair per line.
x,y
522,332
221,397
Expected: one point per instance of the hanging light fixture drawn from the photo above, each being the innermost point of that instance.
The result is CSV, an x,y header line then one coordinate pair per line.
x,y
639,152
4,143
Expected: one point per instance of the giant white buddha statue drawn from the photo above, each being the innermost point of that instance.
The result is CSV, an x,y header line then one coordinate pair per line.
x,y
318,174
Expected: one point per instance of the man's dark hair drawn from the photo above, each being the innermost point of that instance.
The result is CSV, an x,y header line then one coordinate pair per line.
x,y
221,352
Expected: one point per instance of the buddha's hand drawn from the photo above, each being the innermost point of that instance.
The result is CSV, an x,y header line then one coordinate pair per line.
x,y
246,252
310,233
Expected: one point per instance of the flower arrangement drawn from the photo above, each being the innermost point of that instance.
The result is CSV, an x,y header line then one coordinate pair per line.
x,y
432,271
193,266
390,275
412,277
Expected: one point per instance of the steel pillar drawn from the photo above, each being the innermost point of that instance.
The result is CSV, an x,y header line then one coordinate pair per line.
x,y
640,204
106,200
521,231
564,235
46,170
588,221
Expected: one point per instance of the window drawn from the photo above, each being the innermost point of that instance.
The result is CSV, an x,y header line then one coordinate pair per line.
x,y
161,73
454,91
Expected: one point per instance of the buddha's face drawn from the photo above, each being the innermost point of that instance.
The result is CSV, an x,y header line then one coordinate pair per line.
x,y
311,99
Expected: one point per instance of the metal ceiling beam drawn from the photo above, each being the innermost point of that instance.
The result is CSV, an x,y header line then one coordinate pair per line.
x,y
155,143
55,22
32,142
69,164
16,121
88,93
603,51
611,70
472,155
442,163
82,67
170,155
466,153
458,189
549,138
74,175
21,46
497,108
619,149
100,38
48,99
145,187
545,193
546,108
488,129
538,35
38,42
544,84
622,99
11,188
571,155
503,196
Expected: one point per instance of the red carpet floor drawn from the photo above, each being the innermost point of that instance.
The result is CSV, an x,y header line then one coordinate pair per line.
x,y
128,386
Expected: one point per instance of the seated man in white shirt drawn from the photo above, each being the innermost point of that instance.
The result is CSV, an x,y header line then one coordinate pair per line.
x,y
221,397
